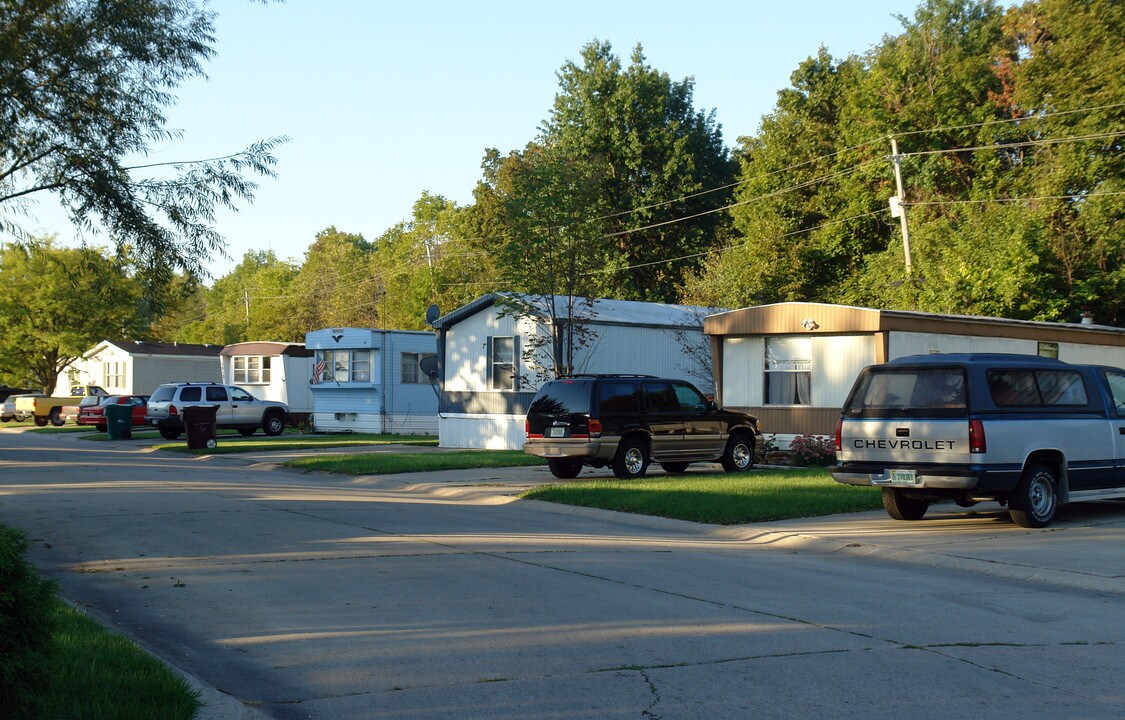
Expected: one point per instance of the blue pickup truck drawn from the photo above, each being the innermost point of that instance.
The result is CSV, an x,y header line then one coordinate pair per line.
x,y
1025,431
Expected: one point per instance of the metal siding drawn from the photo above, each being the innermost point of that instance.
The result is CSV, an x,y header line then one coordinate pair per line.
x,y
350,338
482,432
411,424
837,361
1092,354
903,343
742,371
465,357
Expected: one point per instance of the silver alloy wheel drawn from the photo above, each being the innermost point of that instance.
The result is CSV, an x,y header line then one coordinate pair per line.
x,y
634,460
742,455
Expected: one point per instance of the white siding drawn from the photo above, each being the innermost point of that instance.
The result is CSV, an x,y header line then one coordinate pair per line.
x,y
466,354
1092,354
343,410
743,363
411,424
643,350
901,343
289,381
489,432
837,360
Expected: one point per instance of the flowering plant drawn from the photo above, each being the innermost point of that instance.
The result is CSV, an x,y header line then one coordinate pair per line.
x,y
812,450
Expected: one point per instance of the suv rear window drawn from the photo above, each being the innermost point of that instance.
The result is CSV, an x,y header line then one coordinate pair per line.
x,y
930,392
163,393
562,397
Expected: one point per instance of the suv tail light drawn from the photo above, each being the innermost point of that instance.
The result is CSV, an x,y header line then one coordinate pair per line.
x,y
595,428
172,410
977,442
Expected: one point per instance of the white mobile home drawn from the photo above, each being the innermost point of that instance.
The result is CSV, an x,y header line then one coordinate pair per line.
x,y
490,354
792,364
137,366
370,381
271,371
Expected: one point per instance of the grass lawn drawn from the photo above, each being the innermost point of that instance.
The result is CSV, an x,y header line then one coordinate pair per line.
x,y
235,443
96,674
389,463
719,499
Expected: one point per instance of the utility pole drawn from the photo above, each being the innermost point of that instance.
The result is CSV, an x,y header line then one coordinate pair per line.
x,y
246,299
897,208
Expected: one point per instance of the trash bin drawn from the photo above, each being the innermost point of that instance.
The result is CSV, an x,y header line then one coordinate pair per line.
x,y
119,421
199,423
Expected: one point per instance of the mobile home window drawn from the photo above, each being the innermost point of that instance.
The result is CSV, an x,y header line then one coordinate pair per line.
x,y
502,372
115,374
344,366
251,369
411,370
788,371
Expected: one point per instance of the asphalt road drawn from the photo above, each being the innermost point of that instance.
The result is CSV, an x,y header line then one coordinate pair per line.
x,y
440,596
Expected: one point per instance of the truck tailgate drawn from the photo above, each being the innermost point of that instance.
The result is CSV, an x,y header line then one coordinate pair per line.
x,y
889,442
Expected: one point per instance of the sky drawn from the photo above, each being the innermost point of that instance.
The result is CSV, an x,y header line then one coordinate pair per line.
x,y
384,101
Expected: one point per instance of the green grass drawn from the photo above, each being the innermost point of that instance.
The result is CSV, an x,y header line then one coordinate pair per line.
x,y
390,463
725,499
96,674
235,443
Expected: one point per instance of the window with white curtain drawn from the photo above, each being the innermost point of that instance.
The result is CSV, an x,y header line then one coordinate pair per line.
x,y
251,369
788,371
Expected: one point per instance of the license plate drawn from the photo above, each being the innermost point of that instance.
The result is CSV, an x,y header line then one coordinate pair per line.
x,y
557,432
904,477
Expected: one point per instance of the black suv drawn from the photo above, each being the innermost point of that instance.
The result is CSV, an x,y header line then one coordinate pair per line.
x,y
626,421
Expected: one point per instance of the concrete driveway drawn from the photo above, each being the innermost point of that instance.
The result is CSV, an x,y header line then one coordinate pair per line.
x,y
439,596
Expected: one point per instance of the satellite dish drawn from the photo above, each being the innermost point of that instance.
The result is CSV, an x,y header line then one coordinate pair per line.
x,y
428,365
432,314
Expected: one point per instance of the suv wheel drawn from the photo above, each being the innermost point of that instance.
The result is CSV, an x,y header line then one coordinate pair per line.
x,y
564,469
1034,501
739,454
273,425
901,507
631,460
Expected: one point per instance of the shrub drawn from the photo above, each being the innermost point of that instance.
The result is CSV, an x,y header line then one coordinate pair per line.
x,y
812,450
26,618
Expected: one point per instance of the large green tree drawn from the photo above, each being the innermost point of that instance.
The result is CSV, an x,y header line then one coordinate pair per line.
x,y
254,301
619,195
56,303
84,85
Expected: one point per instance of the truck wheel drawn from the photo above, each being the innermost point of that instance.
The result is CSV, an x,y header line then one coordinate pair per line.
x,y
631,460
56,418
1034,501
273,425
901,507
564,469
739,454
169,433
40,420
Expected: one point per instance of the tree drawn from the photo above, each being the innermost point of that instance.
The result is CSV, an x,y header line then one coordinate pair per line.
x,y
83,89
335,286
253,302
619,195
56,303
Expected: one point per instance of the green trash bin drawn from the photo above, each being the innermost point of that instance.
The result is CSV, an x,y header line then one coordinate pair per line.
x,y
119,421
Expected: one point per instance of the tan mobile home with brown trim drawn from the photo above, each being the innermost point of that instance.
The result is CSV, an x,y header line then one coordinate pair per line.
x,y
792,364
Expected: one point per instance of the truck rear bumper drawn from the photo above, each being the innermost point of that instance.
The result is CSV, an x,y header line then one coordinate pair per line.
x,y
979,479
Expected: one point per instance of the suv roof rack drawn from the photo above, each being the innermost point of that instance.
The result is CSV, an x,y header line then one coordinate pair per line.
x,y
606,375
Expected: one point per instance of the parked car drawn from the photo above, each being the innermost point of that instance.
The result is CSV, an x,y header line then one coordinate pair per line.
x,y
627,421
236,409
1025,431
9,411
71,412
95,414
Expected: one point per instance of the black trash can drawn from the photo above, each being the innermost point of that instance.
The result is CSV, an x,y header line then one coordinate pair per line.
x,y
119,421
199,423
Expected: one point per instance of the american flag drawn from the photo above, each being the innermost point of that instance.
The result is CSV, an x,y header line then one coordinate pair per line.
x,y
318,370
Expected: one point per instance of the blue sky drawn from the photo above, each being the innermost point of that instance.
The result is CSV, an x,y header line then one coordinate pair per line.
x,y
384,101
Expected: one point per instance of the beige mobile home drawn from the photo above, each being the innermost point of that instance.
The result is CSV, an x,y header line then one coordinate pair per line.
x,y
130,367
792,364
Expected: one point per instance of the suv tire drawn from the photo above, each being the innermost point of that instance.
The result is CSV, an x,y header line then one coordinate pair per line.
x,y
632,459
274,424
739,455
1034,501
169,433
564,469
901,507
